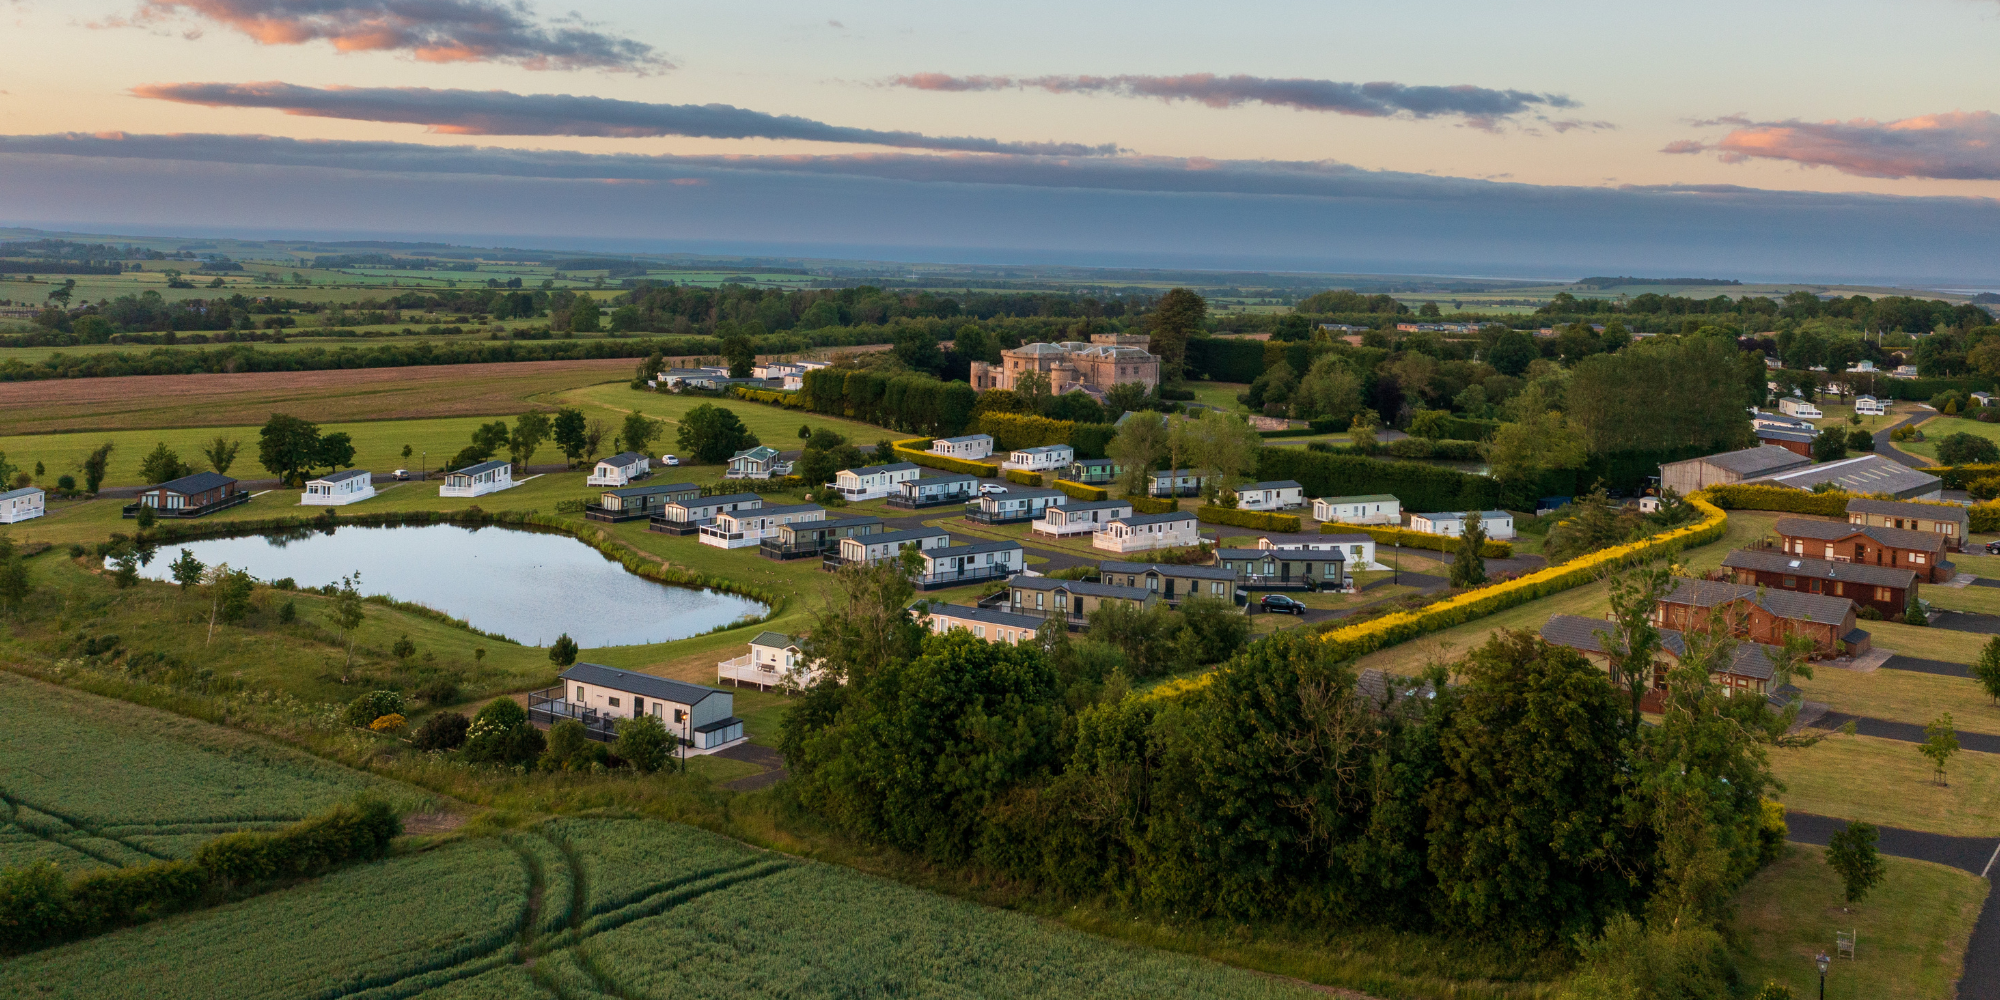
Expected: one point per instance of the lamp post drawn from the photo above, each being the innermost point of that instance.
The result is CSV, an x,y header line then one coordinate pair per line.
x,y
1821,962
424,467
1396,568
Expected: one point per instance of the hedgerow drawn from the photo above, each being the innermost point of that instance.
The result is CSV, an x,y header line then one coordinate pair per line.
x,y
1416,539
1260,520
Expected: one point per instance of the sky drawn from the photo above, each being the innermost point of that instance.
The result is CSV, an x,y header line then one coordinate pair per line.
x,y
1842,140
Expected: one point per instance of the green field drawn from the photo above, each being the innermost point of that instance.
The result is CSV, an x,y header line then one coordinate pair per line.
x,y
87,782
611,908
1939,426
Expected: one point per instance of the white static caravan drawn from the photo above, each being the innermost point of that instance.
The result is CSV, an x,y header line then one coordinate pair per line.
x,y
478,480
337,488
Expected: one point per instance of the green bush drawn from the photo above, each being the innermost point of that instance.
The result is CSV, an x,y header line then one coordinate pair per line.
x,y
1023,477
1257,519
501,734
1967,449
643,742
373,705
443,731
1778,498
439,691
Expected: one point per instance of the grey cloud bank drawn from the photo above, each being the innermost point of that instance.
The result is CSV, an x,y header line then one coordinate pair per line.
x,y
498,112
1319,216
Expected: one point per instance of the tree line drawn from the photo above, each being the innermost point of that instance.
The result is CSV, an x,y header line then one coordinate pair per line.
x,y
1524,804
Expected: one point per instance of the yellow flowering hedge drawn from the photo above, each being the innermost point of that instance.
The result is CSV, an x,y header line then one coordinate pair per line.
x,y
1389,630
1415,539
1258,519
1079,491
907,453
1778,498
1024,477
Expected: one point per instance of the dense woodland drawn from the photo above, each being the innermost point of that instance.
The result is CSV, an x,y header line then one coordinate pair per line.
x,y
1523,805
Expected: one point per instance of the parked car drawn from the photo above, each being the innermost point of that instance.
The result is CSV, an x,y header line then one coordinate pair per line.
x,y
669,460
991,488
401,474
1993,548
1280,604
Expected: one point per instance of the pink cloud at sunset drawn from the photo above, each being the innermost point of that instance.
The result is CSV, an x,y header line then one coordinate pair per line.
x,y
1958,145
428,30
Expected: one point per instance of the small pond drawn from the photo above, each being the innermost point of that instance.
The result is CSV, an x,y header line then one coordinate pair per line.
x,y
525,585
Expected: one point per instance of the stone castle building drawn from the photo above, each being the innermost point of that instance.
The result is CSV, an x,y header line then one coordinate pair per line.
x,y
1109,359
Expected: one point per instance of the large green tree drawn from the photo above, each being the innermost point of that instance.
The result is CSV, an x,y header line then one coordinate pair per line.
x,y
569,427
1178,315
1620,402
1523,832
710,434
924,745
288,447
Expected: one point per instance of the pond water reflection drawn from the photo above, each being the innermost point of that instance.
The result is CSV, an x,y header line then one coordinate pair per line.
x,y
528,586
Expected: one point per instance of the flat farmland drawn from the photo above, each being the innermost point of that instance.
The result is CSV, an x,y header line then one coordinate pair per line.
x,y
146,401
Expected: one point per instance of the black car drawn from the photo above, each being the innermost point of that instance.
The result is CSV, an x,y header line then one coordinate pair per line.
x,y
1993,548
1282,604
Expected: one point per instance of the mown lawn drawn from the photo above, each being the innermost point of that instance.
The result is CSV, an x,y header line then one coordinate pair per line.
x,y
1941,425
775,426
1888,783
1904,696
1911,931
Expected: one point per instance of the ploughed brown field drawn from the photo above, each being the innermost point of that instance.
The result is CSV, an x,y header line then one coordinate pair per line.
x,y
142,401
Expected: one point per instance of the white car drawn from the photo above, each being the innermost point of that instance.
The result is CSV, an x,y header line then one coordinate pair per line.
x,y
402,474
669,460
991,488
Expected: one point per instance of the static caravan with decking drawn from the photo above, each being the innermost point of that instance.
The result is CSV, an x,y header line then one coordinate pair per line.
x,y
478,480
338,488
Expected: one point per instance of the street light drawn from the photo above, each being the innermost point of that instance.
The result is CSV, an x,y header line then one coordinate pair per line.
x,y
1822,963
1396,568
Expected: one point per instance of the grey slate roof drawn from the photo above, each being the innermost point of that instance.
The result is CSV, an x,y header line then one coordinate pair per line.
x,y
641,684
871,470
22,492
1085,587
1383,691
1750,659
1758,461
200,482
623,459
790,508
1779,434
778,639
901,536
1164,569
1866,474
1275,484
1283,555
975,548
722,499
1018,492
1143,519
1085,507
334,477
1823,609
1774,561
988,616
473,470
1832,531
643,491
1368,498
939,479
1900,508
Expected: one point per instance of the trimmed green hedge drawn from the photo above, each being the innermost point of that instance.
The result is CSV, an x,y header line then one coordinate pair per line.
x,y
1415,539
1152,505
1021,430
1023,477
1260,520
1078,491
